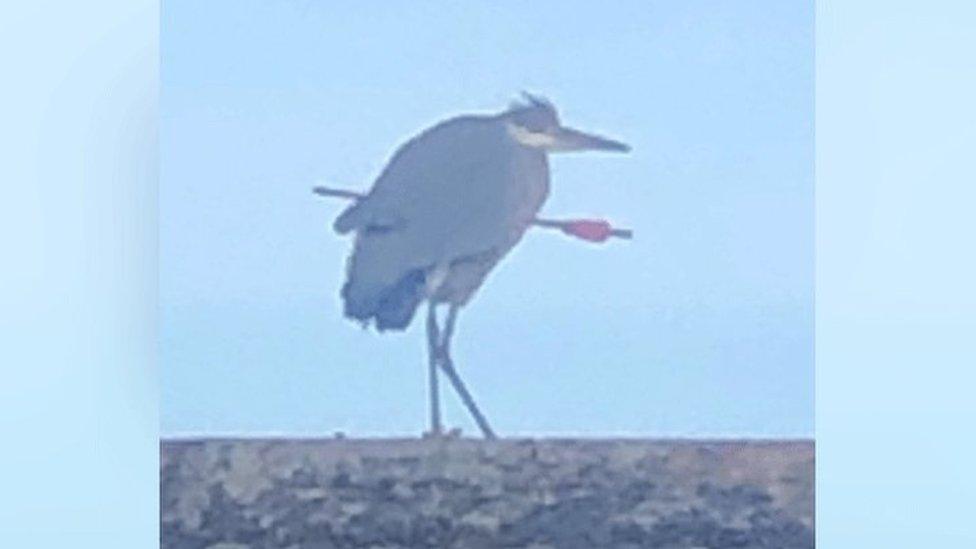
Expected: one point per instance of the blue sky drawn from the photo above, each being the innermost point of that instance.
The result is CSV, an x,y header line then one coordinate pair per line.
x,y
702,325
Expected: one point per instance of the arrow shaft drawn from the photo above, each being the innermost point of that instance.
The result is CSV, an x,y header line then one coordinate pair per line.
x,y
538,222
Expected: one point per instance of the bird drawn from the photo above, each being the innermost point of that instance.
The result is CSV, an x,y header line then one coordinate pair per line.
x,y
447,207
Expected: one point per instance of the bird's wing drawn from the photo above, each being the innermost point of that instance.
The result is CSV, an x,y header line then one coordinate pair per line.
x,y
442,197
428,176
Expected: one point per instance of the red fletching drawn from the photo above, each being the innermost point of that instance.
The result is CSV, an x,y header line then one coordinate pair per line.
x,y
594,230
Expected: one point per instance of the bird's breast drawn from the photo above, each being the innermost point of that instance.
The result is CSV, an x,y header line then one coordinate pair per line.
x,y
529,188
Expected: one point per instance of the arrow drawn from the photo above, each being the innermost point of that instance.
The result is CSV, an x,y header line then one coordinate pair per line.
x,y
592,230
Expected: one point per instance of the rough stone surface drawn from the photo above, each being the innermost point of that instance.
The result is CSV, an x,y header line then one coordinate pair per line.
x,y
343,493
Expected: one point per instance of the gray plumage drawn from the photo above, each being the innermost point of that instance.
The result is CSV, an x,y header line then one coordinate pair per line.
x,y
450,204
446,209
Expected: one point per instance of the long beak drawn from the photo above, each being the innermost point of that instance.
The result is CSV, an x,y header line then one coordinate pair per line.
x,y
568,139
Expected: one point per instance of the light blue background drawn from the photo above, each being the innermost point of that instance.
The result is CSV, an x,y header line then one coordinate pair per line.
x,y
895,300
703,325
896,306
78,386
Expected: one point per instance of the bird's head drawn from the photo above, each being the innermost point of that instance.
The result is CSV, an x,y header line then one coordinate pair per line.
x,y
535,124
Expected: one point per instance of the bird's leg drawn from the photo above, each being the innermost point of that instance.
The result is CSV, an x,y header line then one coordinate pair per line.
x,y
447,365
433,357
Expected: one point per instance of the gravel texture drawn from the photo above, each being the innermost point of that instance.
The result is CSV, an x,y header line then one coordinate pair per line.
x,y
325,494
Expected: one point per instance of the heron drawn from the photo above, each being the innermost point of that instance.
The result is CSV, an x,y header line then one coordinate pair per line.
x,y
448,206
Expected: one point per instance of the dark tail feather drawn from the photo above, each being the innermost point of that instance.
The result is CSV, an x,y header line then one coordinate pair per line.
x,y
396,305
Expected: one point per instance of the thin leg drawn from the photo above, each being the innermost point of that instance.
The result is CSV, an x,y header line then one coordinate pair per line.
x,y
447,365
432,357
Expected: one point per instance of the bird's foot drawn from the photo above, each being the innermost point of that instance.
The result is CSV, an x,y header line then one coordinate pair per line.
x,y
450,434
